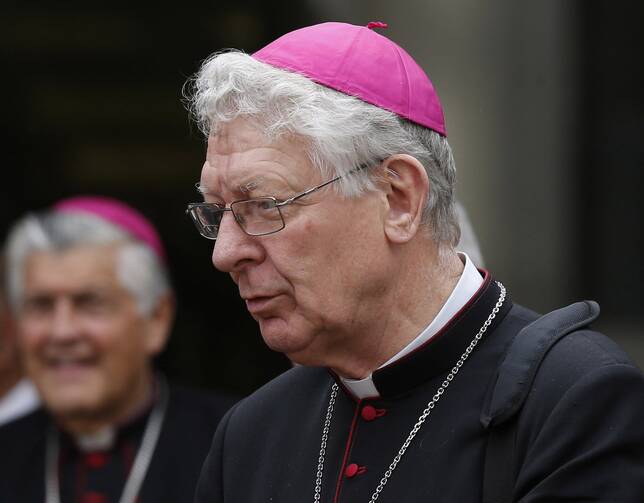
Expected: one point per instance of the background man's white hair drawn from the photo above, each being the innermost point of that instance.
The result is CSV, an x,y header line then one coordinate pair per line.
x,y
139,269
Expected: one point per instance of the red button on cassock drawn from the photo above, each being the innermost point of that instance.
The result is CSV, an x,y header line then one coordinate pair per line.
x,y
368,413
93,497
95,459
351,470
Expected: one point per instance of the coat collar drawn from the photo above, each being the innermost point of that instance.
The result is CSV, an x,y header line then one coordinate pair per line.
x,y
438,354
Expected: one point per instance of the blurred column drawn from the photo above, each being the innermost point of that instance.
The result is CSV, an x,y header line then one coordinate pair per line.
x,y
505,71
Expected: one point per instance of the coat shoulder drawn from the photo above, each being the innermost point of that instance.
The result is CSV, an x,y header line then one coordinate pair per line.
x,y
289,395
20,437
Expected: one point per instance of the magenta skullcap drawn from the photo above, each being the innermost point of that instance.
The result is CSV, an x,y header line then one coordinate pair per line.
x,y
356,60
117,213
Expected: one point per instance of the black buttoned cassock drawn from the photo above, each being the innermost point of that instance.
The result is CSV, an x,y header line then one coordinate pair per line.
x,y
579,435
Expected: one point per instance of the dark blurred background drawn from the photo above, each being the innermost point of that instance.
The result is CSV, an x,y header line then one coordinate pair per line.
x,y
544,109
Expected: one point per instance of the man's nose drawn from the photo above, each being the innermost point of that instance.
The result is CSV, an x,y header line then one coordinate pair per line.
x,y
64,322
234,249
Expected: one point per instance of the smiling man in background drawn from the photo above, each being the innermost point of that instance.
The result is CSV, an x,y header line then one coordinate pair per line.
x,y
90,292
329,194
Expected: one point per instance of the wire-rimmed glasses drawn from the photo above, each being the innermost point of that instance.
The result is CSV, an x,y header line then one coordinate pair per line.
x,y
257,216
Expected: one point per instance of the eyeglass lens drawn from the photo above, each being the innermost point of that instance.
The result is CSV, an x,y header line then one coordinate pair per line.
x,y
258,216
255,216
207,219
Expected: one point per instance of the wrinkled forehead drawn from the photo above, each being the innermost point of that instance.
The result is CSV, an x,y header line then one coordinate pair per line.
x,y
240,156
75,267
238,135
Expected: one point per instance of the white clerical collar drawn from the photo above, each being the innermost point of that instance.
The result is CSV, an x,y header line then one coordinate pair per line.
x,y
467,285
101,440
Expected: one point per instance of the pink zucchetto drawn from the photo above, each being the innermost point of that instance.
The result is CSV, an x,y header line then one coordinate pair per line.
x,y
356,60
117,213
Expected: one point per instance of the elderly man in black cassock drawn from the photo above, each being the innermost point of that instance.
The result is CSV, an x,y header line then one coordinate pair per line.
x,y
90,293
328,192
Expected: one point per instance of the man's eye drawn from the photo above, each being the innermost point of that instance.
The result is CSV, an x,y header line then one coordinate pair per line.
x,y
37,306
266,204
93,303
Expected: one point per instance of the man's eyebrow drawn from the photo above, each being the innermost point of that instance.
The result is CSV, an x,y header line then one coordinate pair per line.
x,y
244,188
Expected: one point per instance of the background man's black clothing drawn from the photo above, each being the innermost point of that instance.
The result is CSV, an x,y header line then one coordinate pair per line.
x,y
187,431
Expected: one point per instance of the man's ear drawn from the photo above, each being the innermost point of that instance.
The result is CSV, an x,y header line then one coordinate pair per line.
x,y
159,324
407,187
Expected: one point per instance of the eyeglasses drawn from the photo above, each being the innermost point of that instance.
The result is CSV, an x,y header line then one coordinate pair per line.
x,y
257,216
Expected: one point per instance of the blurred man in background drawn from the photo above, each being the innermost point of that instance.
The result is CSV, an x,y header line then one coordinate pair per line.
x,y
89,289
17,395
329,194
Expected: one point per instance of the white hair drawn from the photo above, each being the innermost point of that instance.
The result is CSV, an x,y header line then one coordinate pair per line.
x,y
139,269
340,132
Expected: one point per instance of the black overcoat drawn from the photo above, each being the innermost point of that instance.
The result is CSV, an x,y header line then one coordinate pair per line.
x,y
580,433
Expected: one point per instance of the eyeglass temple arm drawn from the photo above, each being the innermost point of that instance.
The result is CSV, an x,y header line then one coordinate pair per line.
x,y
313,189
307,192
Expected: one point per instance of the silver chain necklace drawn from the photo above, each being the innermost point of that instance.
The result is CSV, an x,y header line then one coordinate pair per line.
x,y
141,461
421,419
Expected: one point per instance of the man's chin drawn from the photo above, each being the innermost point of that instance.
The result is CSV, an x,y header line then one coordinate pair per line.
x,y
72,403
279,337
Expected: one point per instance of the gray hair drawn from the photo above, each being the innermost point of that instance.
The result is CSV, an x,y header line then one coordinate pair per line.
x,y
139,269
340,132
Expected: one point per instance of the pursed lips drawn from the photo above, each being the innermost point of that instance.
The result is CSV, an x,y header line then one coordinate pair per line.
x,y
258,304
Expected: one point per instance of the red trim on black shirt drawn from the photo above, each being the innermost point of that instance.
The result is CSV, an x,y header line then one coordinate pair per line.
x,y
346,452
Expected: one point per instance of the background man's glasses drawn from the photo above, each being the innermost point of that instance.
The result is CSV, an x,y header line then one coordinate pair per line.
x,y
257,216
